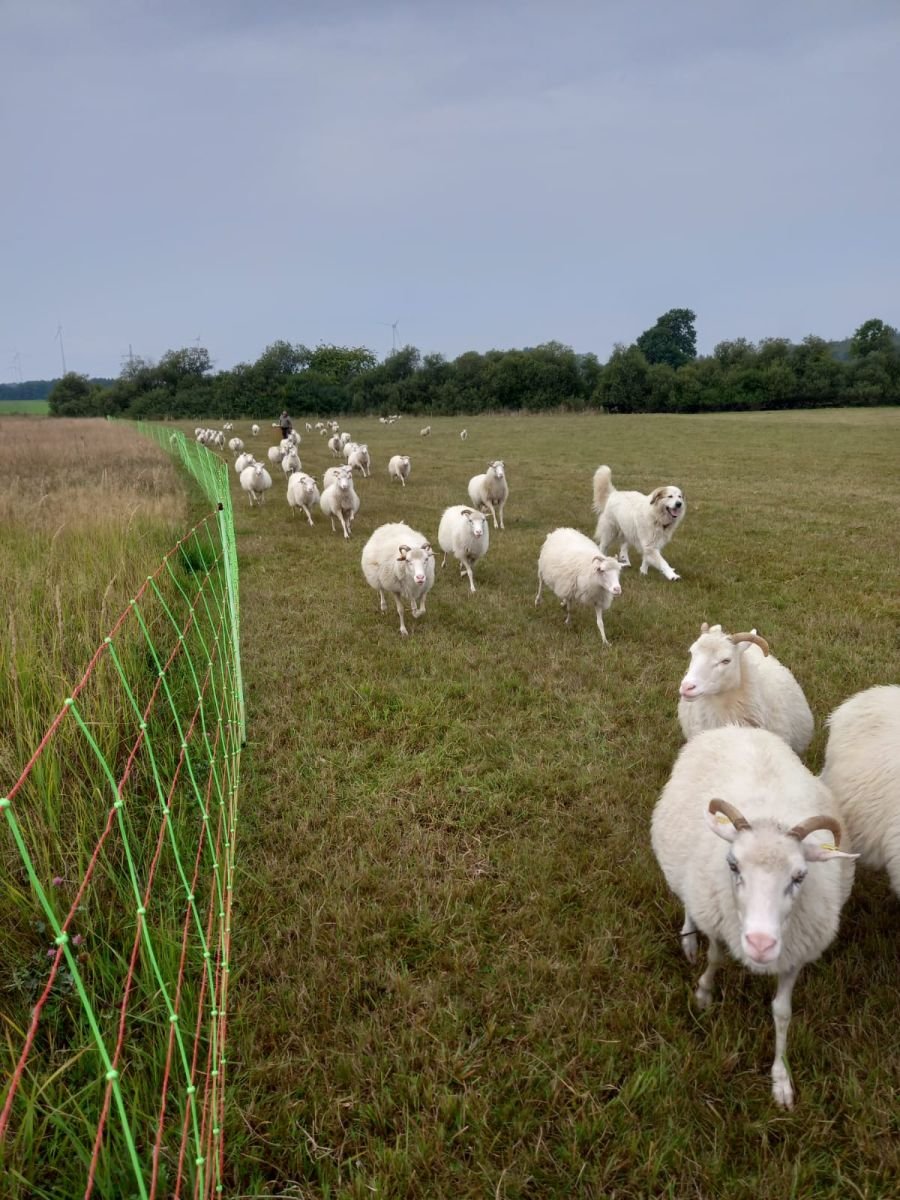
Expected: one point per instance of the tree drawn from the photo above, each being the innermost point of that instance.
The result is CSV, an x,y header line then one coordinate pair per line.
x,y
73,396
672,340
873,336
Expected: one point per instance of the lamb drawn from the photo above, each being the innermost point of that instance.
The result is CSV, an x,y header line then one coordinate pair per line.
x,y
571,567
302,492
762,900
425,432
256,481
340,500
254,429
489,491
235,445
360,459
398,468
335,446
291,462
862,769
465,534
463,434
734,680
399,560
242,461
276,454
648,522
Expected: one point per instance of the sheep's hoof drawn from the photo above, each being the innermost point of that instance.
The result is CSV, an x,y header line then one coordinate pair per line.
x,y
689,946
782,1090
702,998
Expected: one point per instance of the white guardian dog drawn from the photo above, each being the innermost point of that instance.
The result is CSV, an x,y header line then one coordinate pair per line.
x,y
646,522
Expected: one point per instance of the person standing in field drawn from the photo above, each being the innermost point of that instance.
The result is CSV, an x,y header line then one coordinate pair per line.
x,y
286,424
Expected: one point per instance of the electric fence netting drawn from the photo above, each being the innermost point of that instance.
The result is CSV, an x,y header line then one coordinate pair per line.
x,y
118,865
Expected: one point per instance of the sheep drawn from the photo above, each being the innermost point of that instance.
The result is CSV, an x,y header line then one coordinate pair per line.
x,y
254,429
335,446
276,454
334,473
345,438
749,788
398,468
360,458
425,432
463,434
219,439
399,560
348,448
242,461
309,427
465,534
862,769
256,481
228,426
571,566
291,462
734,680
235,446
489,491
340,500
302,492
286,445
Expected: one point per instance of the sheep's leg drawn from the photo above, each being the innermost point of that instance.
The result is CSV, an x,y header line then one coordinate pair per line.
x,y
344,525
493,513
399,602
468,569
623,554
308,514
537,598
418,606
568,609
782,1090
382,600
403,481
653,558
501,507
689,938
444,563
715,956
333,530
600,625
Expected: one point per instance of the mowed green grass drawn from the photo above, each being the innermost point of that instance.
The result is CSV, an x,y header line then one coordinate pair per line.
x,y
34,408
457,964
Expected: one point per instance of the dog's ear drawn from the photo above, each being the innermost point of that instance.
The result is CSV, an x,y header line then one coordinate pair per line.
x,y
657,496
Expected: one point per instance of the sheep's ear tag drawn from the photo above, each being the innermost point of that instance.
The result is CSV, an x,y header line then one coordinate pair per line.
x,y
830,846
721,819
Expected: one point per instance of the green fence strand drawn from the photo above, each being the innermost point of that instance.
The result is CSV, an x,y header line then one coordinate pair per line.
x,y
117,1069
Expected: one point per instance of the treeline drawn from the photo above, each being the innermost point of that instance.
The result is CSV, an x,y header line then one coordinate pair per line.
x,y
38,389
660,372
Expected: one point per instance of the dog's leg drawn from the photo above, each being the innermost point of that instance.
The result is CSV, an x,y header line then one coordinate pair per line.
x,y
653,558
623,555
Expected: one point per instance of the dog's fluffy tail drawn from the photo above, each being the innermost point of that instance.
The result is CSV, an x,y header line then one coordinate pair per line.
x,y
603,488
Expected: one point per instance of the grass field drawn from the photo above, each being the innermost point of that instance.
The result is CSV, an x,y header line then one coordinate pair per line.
x,y
459,966
456,965
32,408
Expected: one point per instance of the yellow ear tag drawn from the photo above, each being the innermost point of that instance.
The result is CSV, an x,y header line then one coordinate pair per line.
x,y
722,819
827,846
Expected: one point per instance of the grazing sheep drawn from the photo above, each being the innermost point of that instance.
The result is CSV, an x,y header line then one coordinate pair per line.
x,y
775,898
464,533
335,445
734,680
398,468
360,459
235,446
340,500
648,522
862,769
463,434
302,492
398,560
242,461
489,491
291,462
256,481
254,429
425,432
571,567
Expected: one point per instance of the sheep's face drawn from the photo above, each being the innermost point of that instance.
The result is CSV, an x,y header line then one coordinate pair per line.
x,y
715,665
497,468
608,570
669,504
417,559
767,865
477,522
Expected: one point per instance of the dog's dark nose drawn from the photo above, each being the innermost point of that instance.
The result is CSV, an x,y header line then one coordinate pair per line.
x,y
678,503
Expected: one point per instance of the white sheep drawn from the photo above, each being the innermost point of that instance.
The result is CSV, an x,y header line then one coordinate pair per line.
x,y
242,461
235,446
345,438
309,427
774,898
228,426
291,462
340,500
276,454
425,432
734,680
256,481
254,429
463,434
360,459
399,560
862,770
464,533
303,493
398,468
348,448
334,473
572,567
335,445
489,491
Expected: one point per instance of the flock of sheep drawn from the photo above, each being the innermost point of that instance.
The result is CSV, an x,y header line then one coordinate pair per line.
x,y
773,894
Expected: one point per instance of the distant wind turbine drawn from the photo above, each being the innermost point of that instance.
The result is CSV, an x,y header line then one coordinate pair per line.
x,y
62,354
394,326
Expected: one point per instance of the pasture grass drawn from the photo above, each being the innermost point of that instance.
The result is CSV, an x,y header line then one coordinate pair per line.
x,y
31,408
458,970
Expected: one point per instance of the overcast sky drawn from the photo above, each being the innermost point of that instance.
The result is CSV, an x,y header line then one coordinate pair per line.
x,y
488,174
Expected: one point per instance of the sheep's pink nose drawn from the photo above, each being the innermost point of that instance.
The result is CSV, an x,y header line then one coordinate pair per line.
x,y
760,943
687,688
617,591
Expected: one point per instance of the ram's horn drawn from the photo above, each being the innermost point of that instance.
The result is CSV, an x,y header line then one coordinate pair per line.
x,y
805,828
751,637
738,820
